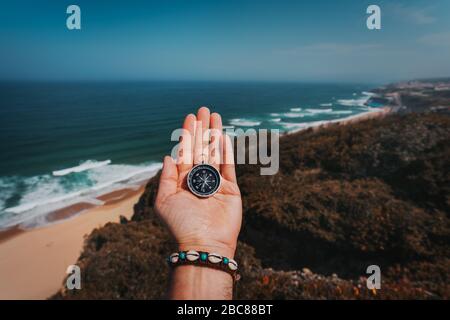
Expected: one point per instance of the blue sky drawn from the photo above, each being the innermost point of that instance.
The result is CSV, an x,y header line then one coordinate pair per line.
x,y
225,40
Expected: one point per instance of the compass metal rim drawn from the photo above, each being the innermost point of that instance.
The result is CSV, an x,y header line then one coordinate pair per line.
x,y
192,189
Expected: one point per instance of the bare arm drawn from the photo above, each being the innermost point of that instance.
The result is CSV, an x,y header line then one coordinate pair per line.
x,y
202,224
194,282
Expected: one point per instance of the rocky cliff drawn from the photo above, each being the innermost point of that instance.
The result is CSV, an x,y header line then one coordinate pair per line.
x,y
374,192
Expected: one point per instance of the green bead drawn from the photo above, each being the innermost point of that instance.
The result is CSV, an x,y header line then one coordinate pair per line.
x,y
182,255
203,256
225,260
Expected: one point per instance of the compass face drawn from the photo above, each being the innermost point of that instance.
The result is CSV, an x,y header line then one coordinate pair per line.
x,y
203,180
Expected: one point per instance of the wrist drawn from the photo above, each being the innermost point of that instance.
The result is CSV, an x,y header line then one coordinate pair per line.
x,y
225,250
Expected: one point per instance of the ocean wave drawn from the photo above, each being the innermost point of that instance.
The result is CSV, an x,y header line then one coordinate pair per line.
x,y
293,115
294,127
326,104
296,109
342,112
319,110
244,122
358,102
275,120
7,185
86,165
40,195
353,102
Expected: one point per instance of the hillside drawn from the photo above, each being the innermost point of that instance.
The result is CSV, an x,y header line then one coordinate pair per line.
x,y
373,192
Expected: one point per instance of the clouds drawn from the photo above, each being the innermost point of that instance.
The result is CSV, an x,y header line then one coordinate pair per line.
x,y
418,16
441,39
331,48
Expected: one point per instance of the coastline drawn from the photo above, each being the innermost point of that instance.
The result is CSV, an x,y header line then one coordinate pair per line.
x,y
380,112
33,262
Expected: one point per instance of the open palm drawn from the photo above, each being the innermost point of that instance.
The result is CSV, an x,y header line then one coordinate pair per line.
x,y
209,224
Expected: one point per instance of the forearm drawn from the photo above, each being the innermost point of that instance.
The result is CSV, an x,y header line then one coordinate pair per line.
x,y
197,283
206,223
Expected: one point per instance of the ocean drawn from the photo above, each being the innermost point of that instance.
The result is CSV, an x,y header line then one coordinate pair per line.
x,y
66,143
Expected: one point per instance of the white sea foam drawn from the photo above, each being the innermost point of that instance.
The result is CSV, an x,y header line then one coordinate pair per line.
x,y
46,193
353,102
275,120
358,102
295,127
274,114
326,104
319,110
7,185
296,109
293,115
342,112
244,122
86,165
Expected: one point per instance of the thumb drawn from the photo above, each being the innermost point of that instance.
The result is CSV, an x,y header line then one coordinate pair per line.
x,y
168,179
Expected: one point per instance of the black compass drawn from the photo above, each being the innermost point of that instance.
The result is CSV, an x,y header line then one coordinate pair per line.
x,y
203,180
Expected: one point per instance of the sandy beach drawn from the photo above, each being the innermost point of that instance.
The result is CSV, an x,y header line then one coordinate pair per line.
x,y
33,262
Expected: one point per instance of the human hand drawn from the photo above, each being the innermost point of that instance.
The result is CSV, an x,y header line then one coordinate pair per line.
x,y
205,224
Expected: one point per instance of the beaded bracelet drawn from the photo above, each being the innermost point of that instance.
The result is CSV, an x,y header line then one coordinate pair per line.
x,y
204,259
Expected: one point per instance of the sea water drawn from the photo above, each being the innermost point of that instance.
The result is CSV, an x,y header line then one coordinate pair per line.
x,y
65,143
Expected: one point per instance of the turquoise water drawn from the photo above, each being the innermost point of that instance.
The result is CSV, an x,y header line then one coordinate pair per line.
x,y
115,134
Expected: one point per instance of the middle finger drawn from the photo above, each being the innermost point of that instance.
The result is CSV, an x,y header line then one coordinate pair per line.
x,y
201,136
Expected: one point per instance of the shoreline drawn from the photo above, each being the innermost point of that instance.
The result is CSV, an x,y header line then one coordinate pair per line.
x,y
33,262
372,114
116,195
73,210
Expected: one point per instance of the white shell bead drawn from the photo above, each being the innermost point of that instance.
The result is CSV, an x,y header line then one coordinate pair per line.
x,y
174,258
192,255
214,258
232,265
